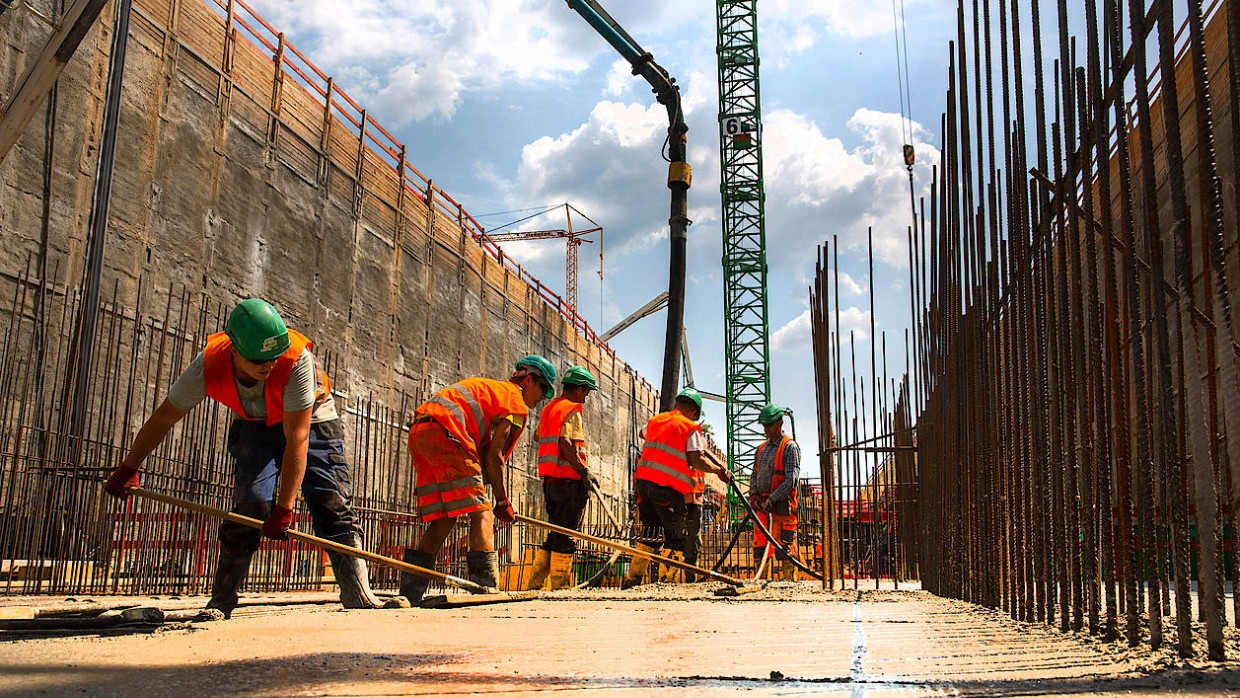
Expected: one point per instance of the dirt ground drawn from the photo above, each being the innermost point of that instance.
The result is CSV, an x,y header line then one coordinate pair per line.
x,y
789,639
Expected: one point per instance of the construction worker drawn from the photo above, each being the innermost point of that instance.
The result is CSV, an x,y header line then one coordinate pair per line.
x,y
664,478
286,437
566,481
773,489
460,440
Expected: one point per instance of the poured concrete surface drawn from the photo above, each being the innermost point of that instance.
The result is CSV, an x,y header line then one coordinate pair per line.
x,y
787,640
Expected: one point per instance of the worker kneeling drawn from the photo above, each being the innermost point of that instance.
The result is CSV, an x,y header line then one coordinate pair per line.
x,y
671,452
460,440
773,490
286,436
566,481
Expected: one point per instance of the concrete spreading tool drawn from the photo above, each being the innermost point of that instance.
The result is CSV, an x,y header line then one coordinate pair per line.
x,y
632,551
314,540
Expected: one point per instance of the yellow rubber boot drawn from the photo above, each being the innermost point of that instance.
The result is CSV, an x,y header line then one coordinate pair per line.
x,y
637,568
667,573
788,571
542,565
561,571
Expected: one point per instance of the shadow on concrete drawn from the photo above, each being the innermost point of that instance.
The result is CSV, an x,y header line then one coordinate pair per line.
x,y
343,673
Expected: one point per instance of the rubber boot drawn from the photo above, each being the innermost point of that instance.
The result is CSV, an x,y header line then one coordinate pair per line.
x,y
351,575
230,572
483,569
413,586
637,568
542,565
561,571
690,577
788,571
668,573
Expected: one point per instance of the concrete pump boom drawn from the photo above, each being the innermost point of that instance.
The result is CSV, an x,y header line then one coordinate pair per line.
x,y
679,178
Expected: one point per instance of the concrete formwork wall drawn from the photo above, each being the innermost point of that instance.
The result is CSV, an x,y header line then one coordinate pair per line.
x,y
241,170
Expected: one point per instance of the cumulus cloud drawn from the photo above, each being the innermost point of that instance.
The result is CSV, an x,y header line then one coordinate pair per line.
x,y
791,27
796,335
818,186
411,61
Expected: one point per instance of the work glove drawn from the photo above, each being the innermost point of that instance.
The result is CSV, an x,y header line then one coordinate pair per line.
x,y
504,512
278,522
724,476
590,480
121,480
766,505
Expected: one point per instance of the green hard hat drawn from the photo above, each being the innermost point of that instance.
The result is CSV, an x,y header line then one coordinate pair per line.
x,y
692,395
580,375
770,414
256,330
542,366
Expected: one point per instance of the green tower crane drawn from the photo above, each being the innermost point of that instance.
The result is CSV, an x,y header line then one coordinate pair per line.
x,y
744,232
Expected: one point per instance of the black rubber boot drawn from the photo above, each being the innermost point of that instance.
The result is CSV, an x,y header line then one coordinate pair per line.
x,y
483,569
352,577
413,586
230,572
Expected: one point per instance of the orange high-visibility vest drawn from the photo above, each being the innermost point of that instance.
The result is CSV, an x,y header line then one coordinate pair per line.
x,y
550,464
221,379
466,409
699,482
777,477
663,460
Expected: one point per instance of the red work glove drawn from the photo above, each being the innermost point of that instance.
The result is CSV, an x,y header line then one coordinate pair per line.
x,y
121,480
724,476
504,512
278,522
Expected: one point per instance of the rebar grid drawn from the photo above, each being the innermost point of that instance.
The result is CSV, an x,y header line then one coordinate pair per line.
x,y
1073,368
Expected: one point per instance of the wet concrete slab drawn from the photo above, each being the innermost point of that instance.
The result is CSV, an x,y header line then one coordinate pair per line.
x,y
679,641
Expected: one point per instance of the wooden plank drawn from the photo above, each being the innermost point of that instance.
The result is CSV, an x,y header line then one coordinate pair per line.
x,y
45,70
467,600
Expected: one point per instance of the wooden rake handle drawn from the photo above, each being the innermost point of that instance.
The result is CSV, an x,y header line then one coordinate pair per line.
x,y
313,540
632,551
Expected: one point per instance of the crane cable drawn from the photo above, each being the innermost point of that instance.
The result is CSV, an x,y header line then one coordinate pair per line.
x,y
899,29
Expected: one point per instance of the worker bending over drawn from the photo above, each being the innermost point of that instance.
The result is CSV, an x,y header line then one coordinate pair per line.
x,y
664,478
460,440
773,490
286,436
565,480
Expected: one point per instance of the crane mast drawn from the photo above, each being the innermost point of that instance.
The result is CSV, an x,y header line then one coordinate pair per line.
x,y
744,233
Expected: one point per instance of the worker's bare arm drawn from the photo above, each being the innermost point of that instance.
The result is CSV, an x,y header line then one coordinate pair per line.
x,y
493,459
568,451
293,465
152,433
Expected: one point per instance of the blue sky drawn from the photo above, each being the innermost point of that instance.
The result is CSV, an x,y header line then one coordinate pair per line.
x,y
518,104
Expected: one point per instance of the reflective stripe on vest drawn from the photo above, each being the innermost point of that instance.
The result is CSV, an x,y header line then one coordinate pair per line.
x,y
777,473
220,378
550,424
663,459
466,410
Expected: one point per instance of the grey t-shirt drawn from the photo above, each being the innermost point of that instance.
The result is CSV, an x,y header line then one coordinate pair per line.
x,y
764,470
190,389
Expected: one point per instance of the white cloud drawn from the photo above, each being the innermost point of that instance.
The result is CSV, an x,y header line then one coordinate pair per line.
x,y
620,79
816,186
411,61
847,286
796,335
791,27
